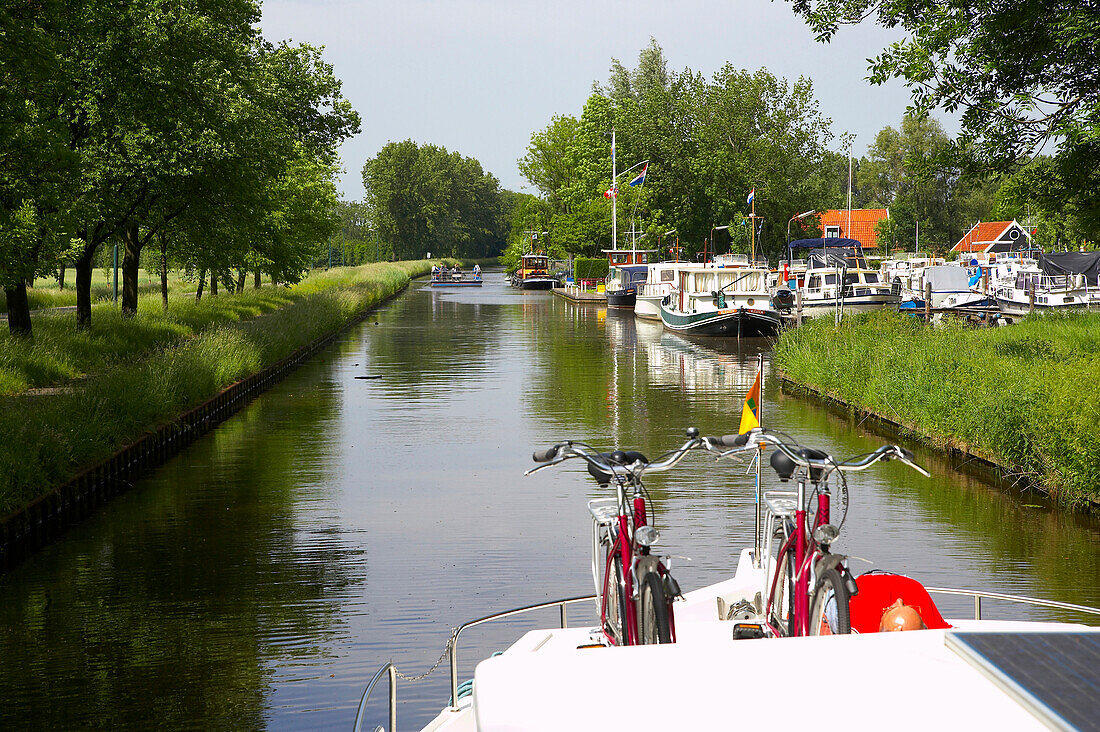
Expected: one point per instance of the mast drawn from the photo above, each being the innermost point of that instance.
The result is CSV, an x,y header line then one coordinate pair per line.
x,y
614,196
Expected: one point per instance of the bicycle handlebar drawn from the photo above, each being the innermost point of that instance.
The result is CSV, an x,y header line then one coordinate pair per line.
x,y
569,449
749,440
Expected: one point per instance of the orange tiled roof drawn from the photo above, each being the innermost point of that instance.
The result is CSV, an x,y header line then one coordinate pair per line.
x,y
981,235
863,223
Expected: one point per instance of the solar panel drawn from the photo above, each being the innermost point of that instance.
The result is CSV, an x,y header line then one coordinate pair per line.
x,y
1055,676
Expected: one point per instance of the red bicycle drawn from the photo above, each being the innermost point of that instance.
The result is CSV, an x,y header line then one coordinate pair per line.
x,y
637,588
810,587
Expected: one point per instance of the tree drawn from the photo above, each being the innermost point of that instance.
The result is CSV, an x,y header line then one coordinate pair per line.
x,y
1023,74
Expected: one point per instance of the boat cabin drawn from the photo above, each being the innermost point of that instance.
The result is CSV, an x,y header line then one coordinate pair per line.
x,y
619,257
534,263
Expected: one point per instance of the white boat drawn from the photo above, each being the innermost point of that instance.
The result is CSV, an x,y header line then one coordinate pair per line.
x,y
1059,281
661,281
973,673
838,281
720,300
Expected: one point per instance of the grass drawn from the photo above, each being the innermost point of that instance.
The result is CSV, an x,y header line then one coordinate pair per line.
x,y
1024,396
180,360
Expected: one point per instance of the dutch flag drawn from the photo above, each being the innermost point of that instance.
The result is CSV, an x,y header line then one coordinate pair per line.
x,y
751,194
641,176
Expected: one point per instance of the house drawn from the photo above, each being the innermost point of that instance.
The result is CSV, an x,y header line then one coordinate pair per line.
x,y
994,237
834,224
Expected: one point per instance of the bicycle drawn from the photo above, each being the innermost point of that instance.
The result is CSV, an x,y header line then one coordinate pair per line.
x,y
792,607
637,588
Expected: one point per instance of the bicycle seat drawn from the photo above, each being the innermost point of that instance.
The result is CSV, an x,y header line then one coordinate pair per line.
x,y
617,457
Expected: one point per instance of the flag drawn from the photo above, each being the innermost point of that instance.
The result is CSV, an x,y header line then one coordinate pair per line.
x,y
751,194
750,413
611,192
641,176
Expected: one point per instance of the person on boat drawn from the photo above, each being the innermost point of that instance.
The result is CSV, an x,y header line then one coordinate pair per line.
x,y
900,616
477,270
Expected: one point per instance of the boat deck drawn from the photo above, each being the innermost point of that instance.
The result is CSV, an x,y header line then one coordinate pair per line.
x,y
557,679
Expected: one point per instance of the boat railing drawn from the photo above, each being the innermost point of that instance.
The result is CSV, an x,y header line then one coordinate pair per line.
x,y
979,595
453,643
392,671
452,649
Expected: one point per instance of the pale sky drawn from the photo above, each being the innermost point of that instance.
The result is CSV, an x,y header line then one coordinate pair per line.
x,y
480,76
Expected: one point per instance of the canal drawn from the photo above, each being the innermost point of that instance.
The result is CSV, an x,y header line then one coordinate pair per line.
x,y
375,499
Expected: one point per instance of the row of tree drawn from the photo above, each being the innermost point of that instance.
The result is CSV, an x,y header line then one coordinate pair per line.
x,y
168,123
711,141
421,199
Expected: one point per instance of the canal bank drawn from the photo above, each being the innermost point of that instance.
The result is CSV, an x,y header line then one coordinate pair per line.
x,y
69,451
1022,398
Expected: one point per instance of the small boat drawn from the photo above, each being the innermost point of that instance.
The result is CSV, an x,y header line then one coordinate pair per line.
x,y
838,281
622,285
721,301
534,273
1059,281
444,277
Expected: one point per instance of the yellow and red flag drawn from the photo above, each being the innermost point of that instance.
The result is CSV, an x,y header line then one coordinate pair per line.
x,y
750,413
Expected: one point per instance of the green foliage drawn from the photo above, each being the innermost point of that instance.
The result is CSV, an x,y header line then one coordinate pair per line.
x,y
1022,74
421,199
1024,396
707,142
589,269
185,358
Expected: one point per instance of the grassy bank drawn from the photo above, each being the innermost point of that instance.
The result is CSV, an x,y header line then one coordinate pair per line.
x,y
190,355
1025,396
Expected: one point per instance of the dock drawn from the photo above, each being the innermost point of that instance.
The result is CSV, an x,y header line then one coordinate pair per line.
x,y
573,293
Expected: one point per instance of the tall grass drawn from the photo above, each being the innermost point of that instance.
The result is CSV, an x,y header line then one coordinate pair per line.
x,y
50,437
1025,396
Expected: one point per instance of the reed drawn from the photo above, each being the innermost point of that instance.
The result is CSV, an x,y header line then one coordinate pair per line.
x,y
49,436
1025,397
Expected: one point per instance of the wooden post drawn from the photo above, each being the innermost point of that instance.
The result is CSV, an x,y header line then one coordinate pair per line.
x,y
1031,297
928,302
798,306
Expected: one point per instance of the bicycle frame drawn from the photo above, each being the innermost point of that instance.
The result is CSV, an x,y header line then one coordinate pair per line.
x,y
806,551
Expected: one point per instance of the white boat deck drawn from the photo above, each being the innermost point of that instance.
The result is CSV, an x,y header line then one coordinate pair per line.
x,y
554,679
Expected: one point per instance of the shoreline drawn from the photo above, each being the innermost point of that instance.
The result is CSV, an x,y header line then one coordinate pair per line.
x,y
34,523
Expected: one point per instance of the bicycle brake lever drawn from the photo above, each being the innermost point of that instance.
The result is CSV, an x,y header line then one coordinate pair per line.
x,y
537,468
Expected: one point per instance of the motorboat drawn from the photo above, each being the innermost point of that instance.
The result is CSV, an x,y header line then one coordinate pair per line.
x,y
622,284
661,281
719,300
534,273
838,281
1058,281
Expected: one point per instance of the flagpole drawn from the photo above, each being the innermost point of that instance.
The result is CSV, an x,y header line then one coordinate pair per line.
x,y
759,456
614,196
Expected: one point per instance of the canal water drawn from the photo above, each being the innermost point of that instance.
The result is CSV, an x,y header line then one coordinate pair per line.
x,y
375,499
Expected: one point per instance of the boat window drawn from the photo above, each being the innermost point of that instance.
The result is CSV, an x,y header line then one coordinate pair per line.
x,y
851,279
623,258
667,275
870,277
830,279
815,281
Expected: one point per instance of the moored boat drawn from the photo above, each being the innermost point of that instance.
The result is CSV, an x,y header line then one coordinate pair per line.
x,y
534,273
1059,281
661,281
721,301
622,285
838,281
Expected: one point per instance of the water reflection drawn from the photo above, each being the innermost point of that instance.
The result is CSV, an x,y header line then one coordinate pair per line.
x,y
260,578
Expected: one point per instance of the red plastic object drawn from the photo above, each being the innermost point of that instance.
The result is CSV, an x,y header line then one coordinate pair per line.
x,y
879,590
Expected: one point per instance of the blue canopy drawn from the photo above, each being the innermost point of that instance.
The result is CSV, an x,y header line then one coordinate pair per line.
x,y
822,243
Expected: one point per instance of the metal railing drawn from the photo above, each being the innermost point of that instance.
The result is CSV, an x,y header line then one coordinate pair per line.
x,y
393,696
979,594
453,643
452,647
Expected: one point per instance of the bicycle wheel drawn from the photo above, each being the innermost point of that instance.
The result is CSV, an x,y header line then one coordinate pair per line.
x,y
615,602
829,612
782,615
653,625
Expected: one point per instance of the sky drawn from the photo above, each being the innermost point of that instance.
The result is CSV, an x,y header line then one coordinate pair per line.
x,y
481,76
